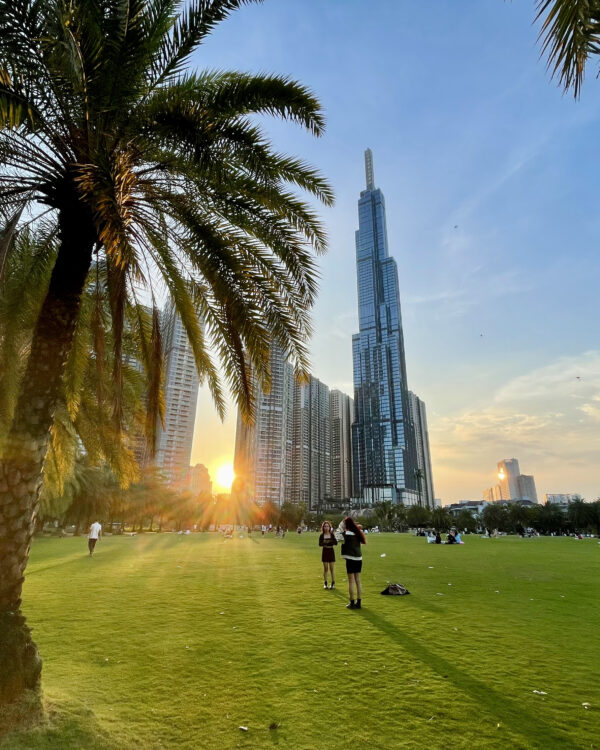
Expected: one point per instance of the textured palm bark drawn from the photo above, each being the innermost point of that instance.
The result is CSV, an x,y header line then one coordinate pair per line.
x,y
21,467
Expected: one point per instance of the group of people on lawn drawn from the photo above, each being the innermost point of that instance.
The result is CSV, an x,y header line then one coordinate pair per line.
x,y
351,535
453,537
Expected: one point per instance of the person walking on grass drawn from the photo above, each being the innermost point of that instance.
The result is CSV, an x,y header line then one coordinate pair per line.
x,y
328,541
351,552
94,535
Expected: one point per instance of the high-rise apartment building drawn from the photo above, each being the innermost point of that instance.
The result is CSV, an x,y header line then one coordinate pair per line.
x,y
526,487
341,412
174,440
492,494
383,439
425,476
262,462
311,460
286,455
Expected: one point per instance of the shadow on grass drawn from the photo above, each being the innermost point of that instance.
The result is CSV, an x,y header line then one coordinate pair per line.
x,y
503,709
67,728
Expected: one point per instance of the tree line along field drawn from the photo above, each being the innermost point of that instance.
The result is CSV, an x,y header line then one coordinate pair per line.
x,y
175,641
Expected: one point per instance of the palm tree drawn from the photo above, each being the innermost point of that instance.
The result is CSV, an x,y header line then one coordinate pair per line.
x,y
160,174
570,34
419,476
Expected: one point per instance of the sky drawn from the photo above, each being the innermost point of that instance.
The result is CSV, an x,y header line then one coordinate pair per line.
x,y
490,175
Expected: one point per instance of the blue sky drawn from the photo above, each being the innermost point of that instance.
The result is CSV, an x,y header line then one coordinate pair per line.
x,y
492,195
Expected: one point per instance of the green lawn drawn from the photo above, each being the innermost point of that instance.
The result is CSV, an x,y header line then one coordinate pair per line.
x,y
167,641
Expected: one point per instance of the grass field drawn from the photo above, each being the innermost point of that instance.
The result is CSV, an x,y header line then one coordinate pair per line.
x,y
167,641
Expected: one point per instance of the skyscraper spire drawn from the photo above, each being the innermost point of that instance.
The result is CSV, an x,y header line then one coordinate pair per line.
x,y
370,174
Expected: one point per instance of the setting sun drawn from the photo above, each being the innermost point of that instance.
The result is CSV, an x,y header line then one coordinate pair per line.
x,y
225,475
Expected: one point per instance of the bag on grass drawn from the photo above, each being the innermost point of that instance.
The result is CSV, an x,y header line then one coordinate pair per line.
x,y
395,589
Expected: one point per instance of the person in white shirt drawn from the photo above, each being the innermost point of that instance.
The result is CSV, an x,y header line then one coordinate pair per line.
x,y
94,535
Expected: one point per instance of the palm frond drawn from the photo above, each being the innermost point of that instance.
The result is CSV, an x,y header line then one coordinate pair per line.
x,y
192,26
570,34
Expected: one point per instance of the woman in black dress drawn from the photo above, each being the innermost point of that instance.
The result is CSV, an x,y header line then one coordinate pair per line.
x,y
328,541
351,551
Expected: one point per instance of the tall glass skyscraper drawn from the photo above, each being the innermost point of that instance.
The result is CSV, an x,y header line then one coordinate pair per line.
x,y
383,438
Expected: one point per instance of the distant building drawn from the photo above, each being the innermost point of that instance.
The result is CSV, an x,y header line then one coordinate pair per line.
x,y
526,488
563,500
419,419
341,408
475,507
508,471
512,486
174,440
492,495
199,480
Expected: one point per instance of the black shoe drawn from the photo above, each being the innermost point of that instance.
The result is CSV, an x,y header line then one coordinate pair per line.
x,y
332,585
325,586
358,604
351,605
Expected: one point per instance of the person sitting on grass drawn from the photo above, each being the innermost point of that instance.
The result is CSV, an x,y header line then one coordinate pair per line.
x,y
327,540
353,538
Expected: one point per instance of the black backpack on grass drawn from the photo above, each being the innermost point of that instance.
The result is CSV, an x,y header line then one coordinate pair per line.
x,y
395,589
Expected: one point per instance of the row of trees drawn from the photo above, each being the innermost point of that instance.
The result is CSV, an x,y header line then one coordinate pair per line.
x,y
546,519
513,517
94,493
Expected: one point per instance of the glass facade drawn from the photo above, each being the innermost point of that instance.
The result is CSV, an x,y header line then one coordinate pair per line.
x,y
383,439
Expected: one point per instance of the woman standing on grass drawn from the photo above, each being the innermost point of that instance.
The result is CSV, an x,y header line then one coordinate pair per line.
x,y
351,552
328,541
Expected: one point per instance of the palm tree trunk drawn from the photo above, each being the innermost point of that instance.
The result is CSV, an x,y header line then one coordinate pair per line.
x,y
21,467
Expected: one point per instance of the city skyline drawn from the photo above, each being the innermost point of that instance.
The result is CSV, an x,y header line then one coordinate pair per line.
x,y
298,448
491,193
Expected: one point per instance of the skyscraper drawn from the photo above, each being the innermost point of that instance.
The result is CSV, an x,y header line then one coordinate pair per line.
x,y
508,471
174,440
383,439
512,485
425,477
341,408
527,490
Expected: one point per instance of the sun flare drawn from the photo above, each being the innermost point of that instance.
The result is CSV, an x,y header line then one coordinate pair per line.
x,y
225,475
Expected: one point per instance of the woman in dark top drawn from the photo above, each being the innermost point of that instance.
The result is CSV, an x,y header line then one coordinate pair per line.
x,y
351,552
328,541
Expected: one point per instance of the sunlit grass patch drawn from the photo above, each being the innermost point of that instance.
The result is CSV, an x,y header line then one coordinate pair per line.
x,y
178,641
